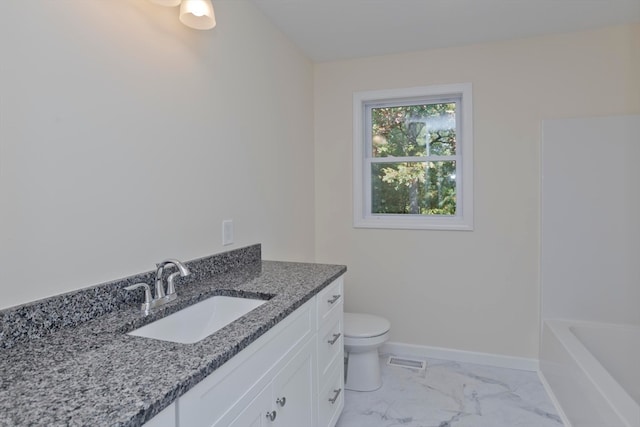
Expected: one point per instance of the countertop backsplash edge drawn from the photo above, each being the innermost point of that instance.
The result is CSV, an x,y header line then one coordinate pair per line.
x,y
38,318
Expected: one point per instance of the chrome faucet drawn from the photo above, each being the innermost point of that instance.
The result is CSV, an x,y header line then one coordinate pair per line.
x,y
171,294
162,297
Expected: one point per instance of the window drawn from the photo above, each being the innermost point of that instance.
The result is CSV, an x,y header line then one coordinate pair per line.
x,y
413,154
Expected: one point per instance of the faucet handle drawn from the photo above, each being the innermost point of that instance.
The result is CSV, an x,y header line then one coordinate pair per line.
x,y
146,305
147,290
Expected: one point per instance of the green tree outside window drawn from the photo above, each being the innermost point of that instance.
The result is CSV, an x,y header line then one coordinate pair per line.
x,y
425,185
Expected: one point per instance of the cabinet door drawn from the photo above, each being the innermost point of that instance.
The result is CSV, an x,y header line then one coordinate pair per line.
x,y
257,412
294,387
166,418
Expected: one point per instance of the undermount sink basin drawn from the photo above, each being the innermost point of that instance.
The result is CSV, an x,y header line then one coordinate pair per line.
x,y
198,321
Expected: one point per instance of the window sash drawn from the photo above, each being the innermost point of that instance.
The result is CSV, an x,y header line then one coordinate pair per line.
x,y
369,159
370,106
364,103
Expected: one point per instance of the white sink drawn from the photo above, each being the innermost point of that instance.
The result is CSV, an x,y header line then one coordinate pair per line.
x,y
198,321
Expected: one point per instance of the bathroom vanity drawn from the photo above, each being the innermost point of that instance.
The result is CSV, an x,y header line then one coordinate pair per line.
x,y
293,375
281,364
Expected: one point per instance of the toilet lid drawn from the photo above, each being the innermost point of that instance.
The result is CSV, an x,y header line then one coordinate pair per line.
x,y
359,325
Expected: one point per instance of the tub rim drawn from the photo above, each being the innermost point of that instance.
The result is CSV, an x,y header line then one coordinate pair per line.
x,y
616,396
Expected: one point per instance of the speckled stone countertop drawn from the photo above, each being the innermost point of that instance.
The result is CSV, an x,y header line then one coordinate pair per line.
x,y
92,373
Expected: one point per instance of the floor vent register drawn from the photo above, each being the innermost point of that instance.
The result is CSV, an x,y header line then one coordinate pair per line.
x,y
407,363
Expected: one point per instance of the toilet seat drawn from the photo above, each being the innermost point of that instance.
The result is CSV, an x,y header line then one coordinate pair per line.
x,y
358,325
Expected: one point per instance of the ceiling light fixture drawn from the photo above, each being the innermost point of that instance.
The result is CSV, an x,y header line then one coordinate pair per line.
x,y
196,14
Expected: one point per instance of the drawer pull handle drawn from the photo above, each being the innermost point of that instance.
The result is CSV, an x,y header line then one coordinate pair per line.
x,y
334,299
335,338
271,416
333,399
281,401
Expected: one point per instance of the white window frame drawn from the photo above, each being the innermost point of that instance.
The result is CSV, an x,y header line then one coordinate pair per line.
x,y
362,215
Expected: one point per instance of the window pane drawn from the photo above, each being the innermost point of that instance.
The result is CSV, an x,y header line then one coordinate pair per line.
x,y
415,130
418,188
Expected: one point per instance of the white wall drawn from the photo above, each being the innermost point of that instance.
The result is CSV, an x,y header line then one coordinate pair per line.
x,y
591,219
477,290
126,138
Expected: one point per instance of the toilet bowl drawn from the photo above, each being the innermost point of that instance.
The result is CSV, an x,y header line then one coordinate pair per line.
x,y
363,335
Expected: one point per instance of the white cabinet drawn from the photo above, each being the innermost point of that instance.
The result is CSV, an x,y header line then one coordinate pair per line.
x,y
219,398
289,400
292,376
294,390
330,337
256,412
166,418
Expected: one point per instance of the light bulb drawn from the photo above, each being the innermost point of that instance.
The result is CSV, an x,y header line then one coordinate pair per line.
x,y
197,14
199,9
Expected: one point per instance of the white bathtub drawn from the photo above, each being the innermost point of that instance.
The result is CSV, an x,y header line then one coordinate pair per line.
x,y
593,371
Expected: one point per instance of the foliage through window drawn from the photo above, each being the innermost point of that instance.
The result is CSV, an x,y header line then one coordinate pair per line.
x,y
412,156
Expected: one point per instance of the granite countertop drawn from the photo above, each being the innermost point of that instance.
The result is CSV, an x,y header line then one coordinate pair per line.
x,y
94,374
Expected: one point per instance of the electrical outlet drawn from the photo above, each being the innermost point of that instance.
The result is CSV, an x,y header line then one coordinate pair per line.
x,y
227,232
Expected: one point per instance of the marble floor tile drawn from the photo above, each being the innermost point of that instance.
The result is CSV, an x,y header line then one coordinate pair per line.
x,y
451,394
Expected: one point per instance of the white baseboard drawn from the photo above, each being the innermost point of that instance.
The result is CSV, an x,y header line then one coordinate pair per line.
x,y
555,402
463,356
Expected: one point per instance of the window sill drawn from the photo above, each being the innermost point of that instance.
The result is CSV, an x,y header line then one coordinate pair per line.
x,y
413,223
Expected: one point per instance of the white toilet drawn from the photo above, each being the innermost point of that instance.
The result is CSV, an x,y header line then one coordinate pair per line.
x,y
363,334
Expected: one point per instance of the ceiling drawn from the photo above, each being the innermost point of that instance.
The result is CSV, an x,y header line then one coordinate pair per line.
x,y
329,30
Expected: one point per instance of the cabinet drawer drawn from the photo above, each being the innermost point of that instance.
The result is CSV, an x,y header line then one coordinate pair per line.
x,y
331,398
329,298
242,377
330,341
